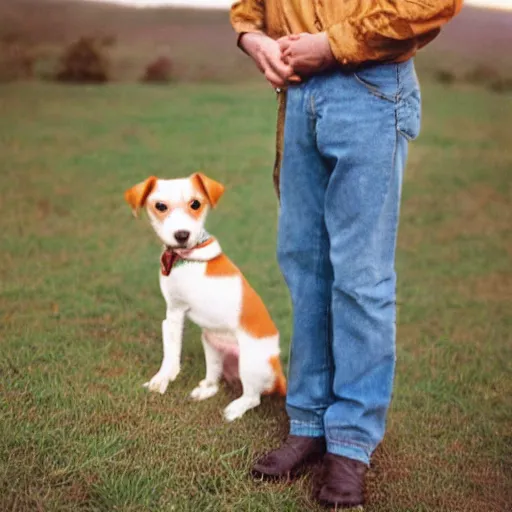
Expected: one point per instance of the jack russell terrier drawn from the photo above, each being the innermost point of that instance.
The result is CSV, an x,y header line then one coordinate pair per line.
x,y
199,282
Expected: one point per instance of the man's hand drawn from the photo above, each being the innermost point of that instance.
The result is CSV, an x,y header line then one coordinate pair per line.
x,y
307,53
267,55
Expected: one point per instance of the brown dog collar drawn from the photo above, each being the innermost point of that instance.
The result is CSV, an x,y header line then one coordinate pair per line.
x,y
170,258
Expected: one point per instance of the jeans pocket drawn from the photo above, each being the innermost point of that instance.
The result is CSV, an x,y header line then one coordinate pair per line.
x,y
408,114
380,80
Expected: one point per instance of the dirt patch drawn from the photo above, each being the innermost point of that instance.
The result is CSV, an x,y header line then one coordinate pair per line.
x,y
474,216
407,480
110,372
495,287
492,487
99,388
475,211
78,492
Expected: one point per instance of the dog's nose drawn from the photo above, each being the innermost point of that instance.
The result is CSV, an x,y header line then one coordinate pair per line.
x,y
182,236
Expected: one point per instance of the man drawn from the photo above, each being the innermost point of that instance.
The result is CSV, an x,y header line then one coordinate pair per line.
x,y
351,106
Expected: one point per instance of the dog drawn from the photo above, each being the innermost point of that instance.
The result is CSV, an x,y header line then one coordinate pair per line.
x,y
198,281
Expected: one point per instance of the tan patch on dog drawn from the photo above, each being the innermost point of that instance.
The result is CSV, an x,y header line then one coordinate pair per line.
x,y
254,318
136,196
157,213
221,266
211,188
280,380
196,214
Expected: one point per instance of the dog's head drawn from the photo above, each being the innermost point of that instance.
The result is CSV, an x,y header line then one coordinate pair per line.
x,y
177,208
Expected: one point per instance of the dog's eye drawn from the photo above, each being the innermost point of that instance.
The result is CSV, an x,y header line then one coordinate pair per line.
x,y
161,207
195,204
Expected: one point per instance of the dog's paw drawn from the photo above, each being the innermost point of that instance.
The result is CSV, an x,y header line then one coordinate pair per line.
x,y
204,390
159,383
239,407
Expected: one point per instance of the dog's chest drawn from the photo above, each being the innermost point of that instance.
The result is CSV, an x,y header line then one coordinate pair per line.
x,y
211,302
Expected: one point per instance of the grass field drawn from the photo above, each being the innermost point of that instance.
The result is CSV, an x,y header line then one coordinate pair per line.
x,y
80,307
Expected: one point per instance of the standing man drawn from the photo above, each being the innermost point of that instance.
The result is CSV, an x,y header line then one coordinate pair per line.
x,y
352,104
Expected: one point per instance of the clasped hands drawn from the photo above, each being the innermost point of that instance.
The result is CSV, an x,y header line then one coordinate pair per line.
x,y
289,59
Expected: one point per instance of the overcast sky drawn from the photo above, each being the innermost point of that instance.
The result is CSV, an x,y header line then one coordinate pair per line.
x,y
223,4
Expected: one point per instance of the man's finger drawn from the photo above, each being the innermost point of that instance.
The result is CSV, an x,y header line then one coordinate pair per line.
x,y
274,80
270,74
283,43
279,67
278,81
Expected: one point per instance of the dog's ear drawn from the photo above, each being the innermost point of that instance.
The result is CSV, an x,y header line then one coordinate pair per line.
x,y
211,188
137,195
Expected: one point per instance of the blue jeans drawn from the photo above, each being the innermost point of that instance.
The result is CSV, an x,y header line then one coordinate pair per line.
x,y
345,147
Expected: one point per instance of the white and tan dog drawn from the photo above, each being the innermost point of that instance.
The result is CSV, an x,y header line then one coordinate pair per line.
x,y
199,282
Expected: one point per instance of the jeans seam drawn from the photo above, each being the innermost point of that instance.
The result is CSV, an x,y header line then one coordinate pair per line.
x,y
399,106
327,313
395,147
311,113
312,105
397,111
374,91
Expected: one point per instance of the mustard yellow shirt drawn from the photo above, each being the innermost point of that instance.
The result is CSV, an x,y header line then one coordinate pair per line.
x,y
359,31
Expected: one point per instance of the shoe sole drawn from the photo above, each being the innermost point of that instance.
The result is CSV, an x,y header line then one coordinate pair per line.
x,y
335,506
289,475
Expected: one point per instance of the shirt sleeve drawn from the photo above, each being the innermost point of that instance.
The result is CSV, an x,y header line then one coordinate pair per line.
x,y
387,29
248,16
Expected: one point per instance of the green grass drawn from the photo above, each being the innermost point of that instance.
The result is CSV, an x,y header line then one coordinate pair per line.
x,y
80,306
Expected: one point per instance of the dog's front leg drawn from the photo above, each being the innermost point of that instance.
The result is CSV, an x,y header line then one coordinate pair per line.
x,y
209,386
172,332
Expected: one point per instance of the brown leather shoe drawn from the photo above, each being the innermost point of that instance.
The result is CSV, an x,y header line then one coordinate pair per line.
x,y
342,484
289,460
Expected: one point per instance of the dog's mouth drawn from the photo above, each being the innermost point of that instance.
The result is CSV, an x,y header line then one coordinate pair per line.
x,y
181,250
175,245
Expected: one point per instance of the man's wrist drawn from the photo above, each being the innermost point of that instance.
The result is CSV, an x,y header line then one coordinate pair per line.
x,y
329,57
250,41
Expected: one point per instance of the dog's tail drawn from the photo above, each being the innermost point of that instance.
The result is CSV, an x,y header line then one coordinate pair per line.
x,y
279,378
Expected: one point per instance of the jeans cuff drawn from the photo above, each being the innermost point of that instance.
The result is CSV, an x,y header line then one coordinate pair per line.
x,y
349,450
306,428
